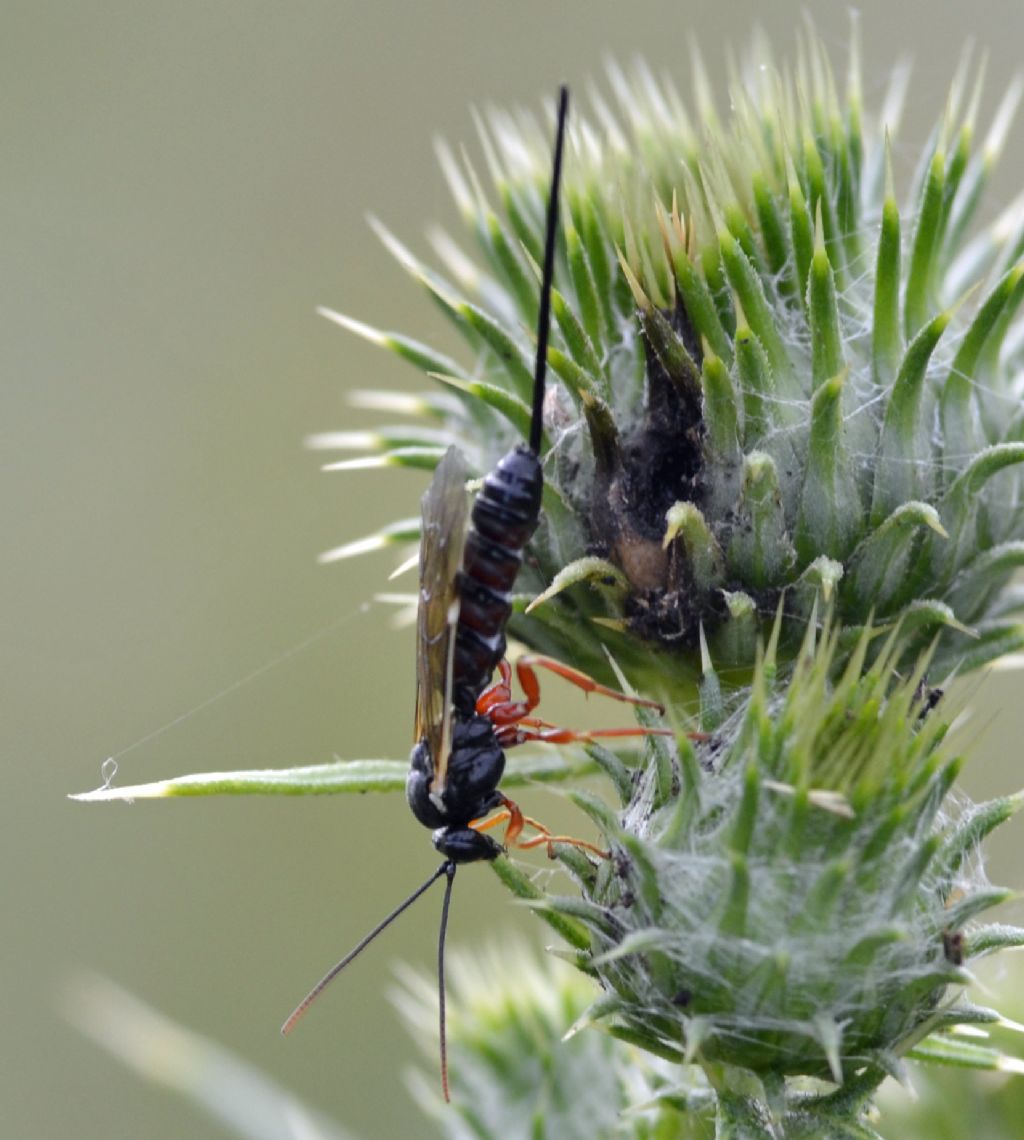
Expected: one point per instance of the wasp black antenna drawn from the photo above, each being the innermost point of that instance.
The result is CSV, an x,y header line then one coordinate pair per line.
x,y
300,1010
449,868
544,317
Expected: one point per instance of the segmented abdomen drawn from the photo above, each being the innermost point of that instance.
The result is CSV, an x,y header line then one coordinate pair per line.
x,y
503,518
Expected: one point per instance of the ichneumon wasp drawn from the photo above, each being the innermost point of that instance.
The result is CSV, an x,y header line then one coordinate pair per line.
x,y
464,720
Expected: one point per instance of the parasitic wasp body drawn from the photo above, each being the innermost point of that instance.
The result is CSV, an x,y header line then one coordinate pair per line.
x,y
469,560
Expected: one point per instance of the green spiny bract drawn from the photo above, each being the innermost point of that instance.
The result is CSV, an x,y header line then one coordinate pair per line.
x,y
520,1077
771,379
793,895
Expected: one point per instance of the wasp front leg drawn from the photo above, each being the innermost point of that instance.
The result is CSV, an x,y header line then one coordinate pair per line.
x,y
512,815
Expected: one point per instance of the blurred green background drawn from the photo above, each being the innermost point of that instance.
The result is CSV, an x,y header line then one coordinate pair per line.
x,y
181,185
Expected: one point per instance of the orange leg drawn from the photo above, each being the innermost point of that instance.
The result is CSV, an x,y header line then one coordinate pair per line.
x,y
553,734
528,728
496,702
531,685
513,725
512,814
498,694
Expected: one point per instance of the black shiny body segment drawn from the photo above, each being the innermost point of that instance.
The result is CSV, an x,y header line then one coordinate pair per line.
x,y
475,768
503,518
464,845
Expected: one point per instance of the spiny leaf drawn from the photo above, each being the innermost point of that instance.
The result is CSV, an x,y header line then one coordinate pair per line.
x,y
575,933
576,380
580,346
927,237
887,337
878,566
992,938
943,1049
823,314
802,230
351,776
961,433
591,310
243,1100
500,399
830,509
418,458
903,471
396,533
700,306
379,439
597,571
521,281
720,407
985,576
419,355
688,529
977,822
756,382
755,305
761,551
466,316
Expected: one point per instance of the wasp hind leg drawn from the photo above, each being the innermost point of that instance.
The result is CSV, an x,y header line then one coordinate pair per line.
x,y
529,728
511,718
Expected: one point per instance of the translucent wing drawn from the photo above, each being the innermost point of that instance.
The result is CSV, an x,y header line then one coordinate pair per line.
x,y
441,543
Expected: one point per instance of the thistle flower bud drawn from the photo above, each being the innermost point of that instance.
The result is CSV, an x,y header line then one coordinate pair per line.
x,y
755,327
797,893
789,905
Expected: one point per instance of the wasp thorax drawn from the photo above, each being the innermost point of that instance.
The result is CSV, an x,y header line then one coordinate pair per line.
x,y
474,768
